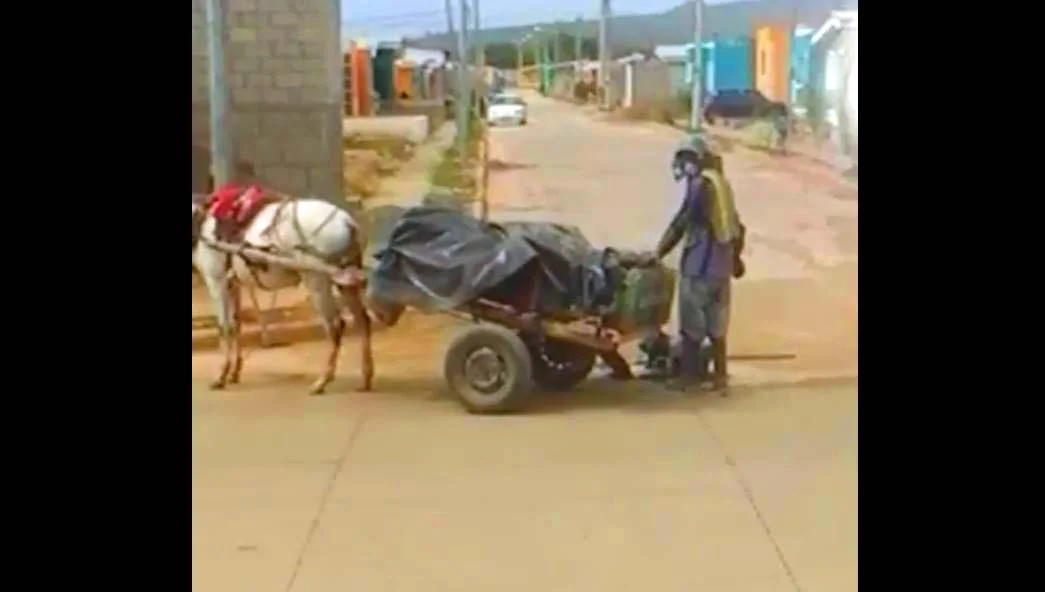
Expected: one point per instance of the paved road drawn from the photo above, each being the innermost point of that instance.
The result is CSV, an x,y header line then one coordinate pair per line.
x,y
613,180
613,488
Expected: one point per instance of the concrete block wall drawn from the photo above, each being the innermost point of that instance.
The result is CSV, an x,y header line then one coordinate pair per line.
x,y
652,83
286,106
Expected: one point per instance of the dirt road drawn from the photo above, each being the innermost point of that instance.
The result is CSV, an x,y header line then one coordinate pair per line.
x,y
617,487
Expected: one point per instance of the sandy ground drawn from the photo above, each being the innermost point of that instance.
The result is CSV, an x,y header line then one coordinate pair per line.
x,y
614,487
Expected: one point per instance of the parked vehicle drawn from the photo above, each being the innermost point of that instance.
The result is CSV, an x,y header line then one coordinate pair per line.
x,y
741,104
506,109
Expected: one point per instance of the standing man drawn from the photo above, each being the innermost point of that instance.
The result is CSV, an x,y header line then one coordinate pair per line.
x,y
709,228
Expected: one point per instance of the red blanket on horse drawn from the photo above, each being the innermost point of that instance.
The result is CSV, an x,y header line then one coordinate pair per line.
x,y
233,200
234,205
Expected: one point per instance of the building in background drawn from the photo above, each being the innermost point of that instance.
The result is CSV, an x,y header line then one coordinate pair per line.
x,y
833,73
358,80
772,61
385,55
725,62
801,45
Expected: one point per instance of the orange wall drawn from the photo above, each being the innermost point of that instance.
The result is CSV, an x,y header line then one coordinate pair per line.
x,y
361,65
404,81
771,61
357,80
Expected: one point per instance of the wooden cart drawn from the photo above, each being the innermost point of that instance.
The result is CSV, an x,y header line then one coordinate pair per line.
x,y
495,362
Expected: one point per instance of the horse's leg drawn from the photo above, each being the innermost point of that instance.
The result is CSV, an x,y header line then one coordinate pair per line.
x,y
321,292
353,299
218,287
259,314
236,350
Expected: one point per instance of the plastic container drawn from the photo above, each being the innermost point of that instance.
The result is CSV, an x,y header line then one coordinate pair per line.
x,y
644,300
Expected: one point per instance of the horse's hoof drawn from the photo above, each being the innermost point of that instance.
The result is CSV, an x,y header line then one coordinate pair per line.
x,y
217,385
365,388
318,388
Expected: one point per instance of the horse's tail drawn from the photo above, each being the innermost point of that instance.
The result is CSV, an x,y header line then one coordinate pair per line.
x,y
356,243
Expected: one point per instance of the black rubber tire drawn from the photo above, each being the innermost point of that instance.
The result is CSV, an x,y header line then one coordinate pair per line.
x,y
511,352
560,365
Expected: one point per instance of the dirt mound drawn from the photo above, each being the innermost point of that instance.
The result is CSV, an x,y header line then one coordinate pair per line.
x,y
362,172
367,158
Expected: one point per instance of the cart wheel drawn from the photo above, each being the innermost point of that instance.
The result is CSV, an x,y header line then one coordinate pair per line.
x,y
560,365
489,369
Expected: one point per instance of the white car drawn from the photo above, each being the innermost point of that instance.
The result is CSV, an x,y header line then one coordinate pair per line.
x,y
506,109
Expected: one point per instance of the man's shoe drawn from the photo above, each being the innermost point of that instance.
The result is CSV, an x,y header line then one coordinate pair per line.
x,y
720,385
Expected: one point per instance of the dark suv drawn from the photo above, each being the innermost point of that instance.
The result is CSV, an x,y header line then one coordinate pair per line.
x,y
741,104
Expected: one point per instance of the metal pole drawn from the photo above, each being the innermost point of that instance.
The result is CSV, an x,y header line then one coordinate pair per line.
x,y
696,95
604,57
462,87
546,71
480,58
791,86
537,72
450,20
578,48
222,147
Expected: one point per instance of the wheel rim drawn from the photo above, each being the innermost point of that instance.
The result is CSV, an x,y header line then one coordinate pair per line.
x,y
486,371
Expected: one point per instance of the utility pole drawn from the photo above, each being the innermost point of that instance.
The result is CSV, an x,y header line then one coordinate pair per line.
x,y
791,84
222,147
578,48
450,22
604,55
696,95
553,74
462,87
546,59
480,57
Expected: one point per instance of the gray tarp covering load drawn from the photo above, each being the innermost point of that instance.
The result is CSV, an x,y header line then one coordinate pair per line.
x,y
438,259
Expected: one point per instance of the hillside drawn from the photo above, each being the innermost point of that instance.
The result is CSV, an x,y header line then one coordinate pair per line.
x,y
672,27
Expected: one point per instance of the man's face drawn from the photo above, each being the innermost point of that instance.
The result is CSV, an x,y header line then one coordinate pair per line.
x,y
684,165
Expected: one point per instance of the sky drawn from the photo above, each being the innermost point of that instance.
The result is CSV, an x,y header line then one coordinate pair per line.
x,y
393,19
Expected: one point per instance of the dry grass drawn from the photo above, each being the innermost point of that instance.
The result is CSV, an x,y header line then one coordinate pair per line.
x,y
452,173
367,158
665,111
362,171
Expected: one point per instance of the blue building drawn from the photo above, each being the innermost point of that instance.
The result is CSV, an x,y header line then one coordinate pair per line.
x,y
801,72
726,63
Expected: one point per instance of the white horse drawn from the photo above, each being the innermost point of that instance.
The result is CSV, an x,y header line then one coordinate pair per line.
x,y
309,230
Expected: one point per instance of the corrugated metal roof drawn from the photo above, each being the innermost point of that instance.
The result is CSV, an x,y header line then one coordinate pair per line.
x,y
840,19
670,53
